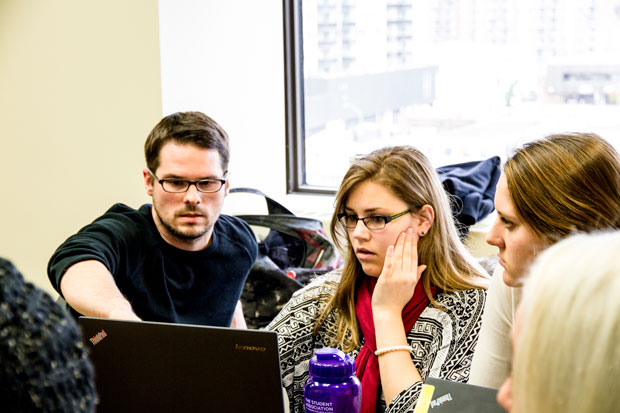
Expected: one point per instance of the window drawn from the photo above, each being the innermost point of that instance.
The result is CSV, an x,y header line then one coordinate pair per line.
x,y
460,80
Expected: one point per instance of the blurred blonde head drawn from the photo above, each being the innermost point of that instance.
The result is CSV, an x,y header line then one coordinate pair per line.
x,y
568,354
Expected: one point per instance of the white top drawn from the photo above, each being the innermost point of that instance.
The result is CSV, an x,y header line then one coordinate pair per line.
x,y
491,364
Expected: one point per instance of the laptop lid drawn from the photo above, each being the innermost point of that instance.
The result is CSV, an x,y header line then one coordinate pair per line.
x,y
444,396
162,367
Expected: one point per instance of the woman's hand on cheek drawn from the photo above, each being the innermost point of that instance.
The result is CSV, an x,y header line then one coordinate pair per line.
x,y
399,276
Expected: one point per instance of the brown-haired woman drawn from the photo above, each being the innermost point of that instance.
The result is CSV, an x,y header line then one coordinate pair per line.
x,y
407,304
551,188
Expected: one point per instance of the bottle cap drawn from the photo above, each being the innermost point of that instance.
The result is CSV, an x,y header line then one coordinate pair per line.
x,y
331,363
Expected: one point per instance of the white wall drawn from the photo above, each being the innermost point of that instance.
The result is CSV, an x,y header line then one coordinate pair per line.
x,y
226,58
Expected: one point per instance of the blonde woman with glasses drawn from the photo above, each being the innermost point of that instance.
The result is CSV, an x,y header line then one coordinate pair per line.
x,y
408,302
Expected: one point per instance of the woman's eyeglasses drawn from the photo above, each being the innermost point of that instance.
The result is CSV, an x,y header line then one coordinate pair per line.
x,y
374,222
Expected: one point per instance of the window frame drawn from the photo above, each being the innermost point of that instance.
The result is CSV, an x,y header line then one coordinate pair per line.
x,y
294,103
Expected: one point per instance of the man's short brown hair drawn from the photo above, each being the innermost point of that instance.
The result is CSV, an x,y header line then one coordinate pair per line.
x,y
194,128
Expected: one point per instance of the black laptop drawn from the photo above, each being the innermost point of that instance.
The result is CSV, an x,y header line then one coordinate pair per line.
x,y
161,367
444,396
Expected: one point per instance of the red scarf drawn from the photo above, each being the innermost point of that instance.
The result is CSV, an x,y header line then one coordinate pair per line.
x,y
366,363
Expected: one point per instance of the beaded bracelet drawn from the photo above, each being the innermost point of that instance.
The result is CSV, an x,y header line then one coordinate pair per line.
x,y
385,350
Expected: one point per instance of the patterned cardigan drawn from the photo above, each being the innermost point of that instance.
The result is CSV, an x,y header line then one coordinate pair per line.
x,y
443,341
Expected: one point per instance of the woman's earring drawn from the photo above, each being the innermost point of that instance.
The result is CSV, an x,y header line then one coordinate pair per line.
x,y
422,233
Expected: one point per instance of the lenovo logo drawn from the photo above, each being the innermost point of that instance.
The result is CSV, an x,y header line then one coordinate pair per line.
x,y
98,337
249,348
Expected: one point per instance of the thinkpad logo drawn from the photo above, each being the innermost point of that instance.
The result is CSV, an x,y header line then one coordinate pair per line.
x,y
441,400
98,337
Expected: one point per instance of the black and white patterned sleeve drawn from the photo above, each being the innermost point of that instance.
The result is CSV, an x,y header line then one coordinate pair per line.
x,y
465,310
294,325
443,343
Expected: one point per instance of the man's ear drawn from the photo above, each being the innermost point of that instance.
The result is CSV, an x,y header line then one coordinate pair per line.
x,y
426,217
148,181
226,187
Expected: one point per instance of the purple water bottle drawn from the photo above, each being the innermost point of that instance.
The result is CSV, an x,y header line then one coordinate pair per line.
x,y
332,385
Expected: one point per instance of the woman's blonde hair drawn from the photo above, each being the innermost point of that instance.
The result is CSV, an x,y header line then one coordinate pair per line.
x,y
568,357
408,174
565,183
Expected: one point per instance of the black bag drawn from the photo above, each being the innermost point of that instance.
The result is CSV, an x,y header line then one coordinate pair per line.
x,y
295,250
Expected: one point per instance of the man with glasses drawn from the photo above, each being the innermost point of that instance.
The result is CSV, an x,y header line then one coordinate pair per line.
x,y
177,260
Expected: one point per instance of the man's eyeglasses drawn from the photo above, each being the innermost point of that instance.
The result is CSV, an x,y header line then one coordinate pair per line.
x,y
177,186
373,222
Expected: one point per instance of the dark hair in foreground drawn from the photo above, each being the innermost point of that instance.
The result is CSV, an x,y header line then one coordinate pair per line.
x,y
43,363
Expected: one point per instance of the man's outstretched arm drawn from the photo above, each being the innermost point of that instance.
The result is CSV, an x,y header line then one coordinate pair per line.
x,y
89,288
238,320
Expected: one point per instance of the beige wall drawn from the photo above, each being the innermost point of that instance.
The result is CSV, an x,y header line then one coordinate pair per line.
x,y
79,91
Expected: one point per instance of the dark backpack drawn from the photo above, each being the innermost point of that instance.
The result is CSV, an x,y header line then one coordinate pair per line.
x,y
295,250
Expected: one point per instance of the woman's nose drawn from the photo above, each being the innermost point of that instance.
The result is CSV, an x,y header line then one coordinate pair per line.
x,y
360,230
493,236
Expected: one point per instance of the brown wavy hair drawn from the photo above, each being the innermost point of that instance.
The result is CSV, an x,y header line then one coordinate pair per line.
x,y
408,174
565,183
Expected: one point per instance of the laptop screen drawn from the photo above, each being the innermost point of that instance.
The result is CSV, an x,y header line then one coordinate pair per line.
x,y
148,366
